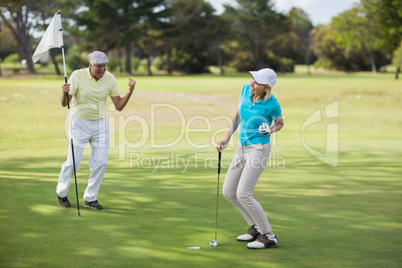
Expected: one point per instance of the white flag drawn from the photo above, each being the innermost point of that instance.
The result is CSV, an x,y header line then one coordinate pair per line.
x,y
53,37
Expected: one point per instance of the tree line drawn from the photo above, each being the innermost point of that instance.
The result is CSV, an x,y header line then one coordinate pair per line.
x,y
188,36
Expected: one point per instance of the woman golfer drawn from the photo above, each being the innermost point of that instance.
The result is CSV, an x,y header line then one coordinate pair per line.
x,y
259,114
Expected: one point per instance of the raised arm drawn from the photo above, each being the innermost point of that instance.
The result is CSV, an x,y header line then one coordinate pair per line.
x,y
119,102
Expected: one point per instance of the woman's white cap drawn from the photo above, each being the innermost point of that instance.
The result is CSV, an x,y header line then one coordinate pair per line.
x,y
265,76
97,58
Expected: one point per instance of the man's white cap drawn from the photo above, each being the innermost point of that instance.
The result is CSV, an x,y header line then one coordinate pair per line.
x,y
97,58
265,76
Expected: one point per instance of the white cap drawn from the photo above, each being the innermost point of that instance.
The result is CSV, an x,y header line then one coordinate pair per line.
x,y
97,58
265,76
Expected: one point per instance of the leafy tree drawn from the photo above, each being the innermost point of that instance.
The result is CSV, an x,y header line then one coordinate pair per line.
x,y
300,36
17,17
330,55
194,31
257,26
368,30
387,16
354,33
191,43
220,33
23,17
149,44
397,60
115,24
351,42
99,26
8,44
154,38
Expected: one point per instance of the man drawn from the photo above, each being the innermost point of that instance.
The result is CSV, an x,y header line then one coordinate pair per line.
x,y
88,89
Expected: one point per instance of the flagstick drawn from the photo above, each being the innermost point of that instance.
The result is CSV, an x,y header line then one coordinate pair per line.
x,y
72,145
53,38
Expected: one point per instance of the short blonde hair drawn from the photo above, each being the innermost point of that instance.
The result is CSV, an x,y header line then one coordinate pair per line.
x,y
267,93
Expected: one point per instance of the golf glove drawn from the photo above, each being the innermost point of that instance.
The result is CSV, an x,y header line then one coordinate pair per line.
x,y
264,129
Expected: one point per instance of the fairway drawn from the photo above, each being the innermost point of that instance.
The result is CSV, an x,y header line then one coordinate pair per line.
x,y
329,208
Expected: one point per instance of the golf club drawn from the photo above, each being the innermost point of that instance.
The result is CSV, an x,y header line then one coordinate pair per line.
x,y
214,243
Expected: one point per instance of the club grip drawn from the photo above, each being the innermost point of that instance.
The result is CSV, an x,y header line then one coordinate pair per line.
x,y
68,101
219,163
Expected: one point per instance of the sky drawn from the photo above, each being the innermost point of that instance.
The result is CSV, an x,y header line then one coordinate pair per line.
x,y
320,11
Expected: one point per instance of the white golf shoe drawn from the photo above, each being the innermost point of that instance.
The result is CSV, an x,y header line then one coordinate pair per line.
x,y
251,235
263,241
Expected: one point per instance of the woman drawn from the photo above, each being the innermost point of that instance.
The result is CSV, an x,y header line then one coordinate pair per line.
x,y
257,109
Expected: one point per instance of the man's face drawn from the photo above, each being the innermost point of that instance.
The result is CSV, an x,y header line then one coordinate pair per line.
x,y
97,71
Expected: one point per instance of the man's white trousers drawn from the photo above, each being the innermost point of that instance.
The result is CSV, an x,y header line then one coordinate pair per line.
x,y
97,134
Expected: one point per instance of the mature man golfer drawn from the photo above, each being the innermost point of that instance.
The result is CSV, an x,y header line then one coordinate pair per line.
x,y
89,88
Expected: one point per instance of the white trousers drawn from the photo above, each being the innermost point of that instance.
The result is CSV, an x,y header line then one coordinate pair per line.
x,y
97,134
245,169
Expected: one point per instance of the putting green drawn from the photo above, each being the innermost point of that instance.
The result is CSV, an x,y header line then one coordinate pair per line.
x,y
159,191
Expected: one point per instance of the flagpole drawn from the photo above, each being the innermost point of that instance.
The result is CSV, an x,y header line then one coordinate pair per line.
x,y
70,118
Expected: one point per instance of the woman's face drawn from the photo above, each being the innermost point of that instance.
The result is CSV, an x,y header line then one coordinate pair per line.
x,y
256,88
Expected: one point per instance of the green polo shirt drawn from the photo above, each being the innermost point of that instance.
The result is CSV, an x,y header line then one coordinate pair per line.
x,y
90,96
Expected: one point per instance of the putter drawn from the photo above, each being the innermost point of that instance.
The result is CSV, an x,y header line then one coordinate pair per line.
x,y
214,243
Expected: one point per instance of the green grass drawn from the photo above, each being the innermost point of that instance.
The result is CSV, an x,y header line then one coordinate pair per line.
x,y
343,216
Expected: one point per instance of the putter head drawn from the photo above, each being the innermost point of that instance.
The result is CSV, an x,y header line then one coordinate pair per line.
x,y
213,243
